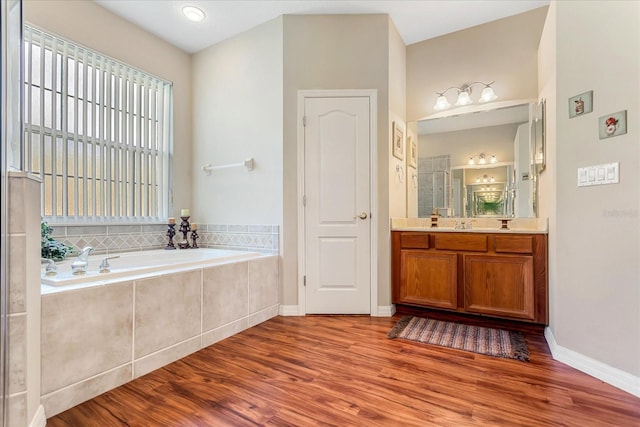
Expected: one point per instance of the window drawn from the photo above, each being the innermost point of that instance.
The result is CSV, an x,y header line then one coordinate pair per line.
x,y
97,131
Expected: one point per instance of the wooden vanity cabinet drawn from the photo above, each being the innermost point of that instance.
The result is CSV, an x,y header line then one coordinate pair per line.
x,y
498,275
439,269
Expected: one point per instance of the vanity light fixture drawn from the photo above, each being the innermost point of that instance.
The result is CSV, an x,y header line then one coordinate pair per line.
x,y
193,14
481,159
464,95
485,179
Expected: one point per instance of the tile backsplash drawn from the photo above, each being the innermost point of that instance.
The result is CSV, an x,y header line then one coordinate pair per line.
x,y
118,238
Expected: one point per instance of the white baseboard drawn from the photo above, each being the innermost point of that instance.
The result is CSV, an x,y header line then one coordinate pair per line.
x,y
289,310
293,310
39,419
614,376
386,310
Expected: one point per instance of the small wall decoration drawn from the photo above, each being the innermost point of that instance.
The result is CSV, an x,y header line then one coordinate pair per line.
x,y
398,141
580,105
612,124
412,157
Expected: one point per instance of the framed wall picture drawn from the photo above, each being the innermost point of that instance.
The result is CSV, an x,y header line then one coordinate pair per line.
x,y
412,153
398,140
613,124
580,105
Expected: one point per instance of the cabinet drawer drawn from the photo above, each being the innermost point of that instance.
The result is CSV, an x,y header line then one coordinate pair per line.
x,y
461,242
414,241
514,244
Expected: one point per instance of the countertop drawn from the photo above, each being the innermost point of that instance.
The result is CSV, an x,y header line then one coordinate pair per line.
x,y
472,230
479,225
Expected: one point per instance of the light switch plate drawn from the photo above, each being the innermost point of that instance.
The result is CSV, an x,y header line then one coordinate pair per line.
x,y
608,173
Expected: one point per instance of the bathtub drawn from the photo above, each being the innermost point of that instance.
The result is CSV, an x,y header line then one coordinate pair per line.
x,y
99,331
143,263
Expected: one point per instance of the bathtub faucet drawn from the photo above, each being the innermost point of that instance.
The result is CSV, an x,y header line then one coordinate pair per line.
x,y
50,269
79,266
104,265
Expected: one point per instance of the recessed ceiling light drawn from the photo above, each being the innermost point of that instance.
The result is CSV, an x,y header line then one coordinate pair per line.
x,y
193,13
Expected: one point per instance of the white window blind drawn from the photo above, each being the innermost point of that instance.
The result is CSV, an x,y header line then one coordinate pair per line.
x,y
97,131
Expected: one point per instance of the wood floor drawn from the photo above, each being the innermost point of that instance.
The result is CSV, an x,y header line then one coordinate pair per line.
x,y
343,371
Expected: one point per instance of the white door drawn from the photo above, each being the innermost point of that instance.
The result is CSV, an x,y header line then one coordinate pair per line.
x,y
337,205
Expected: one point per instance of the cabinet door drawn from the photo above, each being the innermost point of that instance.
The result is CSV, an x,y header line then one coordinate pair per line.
x,y
499,285
428,278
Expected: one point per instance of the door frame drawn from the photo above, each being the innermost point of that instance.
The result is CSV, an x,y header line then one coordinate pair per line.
x,y
372,94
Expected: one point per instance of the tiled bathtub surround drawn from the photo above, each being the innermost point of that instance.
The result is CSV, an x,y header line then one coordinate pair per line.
x,y
135,237
259,238
112,238
97,338
23,361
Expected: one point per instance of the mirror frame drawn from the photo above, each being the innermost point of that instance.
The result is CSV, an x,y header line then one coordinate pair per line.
x,y
537,130
540,136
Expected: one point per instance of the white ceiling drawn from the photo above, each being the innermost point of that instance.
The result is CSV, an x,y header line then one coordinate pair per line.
x,y
416,20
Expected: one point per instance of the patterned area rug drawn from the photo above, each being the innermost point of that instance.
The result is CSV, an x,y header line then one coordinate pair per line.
x,y
478,339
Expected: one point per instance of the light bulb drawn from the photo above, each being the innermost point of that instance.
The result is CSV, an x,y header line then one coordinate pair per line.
x,y
471,161
463,98
488,94
441,103
482,160
494,159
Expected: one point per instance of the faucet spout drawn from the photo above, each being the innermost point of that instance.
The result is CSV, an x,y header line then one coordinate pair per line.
x,y
84,253
79,266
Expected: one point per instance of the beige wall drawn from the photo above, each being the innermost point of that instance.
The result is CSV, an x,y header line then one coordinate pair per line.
x,y
334,52
93,26
596,292
397,113
504,50
237,114
546,181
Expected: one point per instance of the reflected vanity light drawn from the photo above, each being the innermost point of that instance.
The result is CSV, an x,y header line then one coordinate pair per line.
x,y
485,179
481,159
464,95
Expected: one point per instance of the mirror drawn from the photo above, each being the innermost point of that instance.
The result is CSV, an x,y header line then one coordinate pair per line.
x,y
482,163
539,129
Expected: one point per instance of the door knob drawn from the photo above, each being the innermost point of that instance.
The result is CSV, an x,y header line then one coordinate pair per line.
x,y
363,215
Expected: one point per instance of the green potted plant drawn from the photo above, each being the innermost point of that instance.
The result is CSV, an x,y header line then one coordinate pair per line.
x,y
50,247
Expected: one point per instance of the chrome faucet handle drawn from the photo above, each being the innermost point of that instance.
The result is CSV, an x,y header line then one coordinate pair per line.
x,y
104,265
51,269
